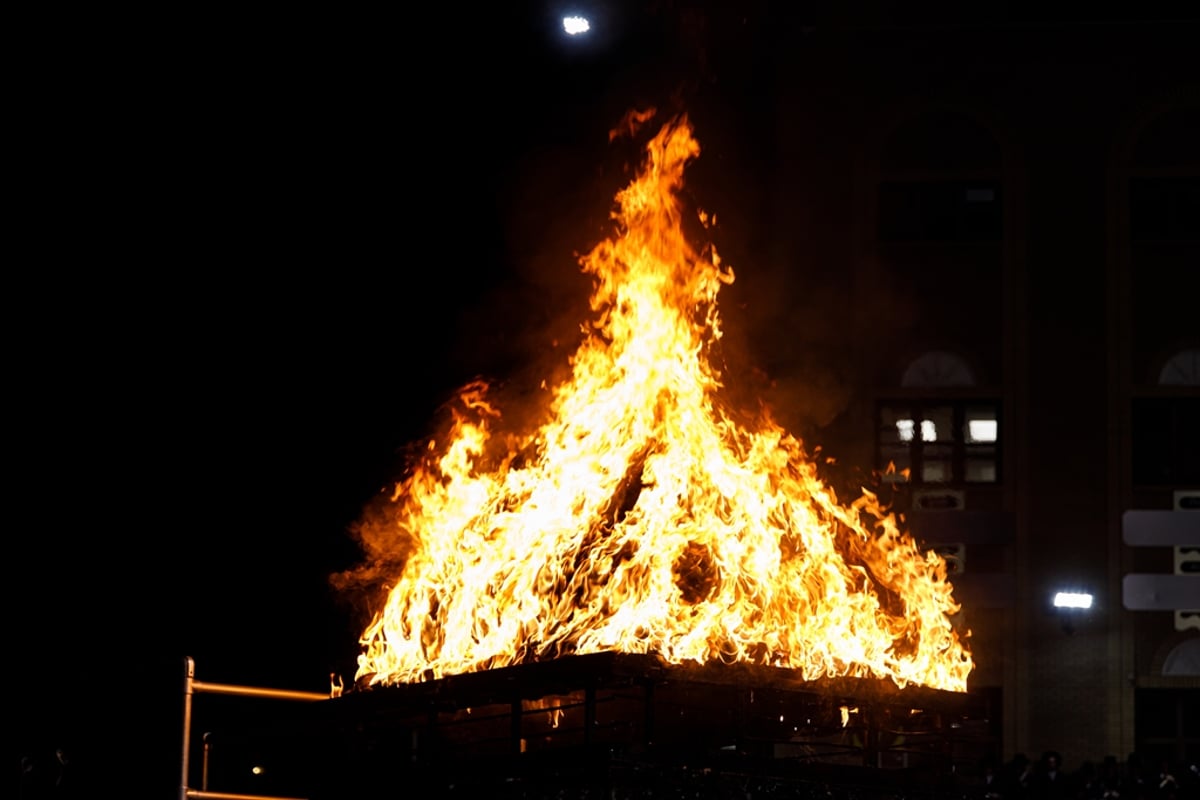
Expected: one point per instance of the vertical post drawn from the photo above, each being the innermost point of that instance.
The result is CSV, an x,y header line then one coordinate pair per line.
x,y
870,737
204,764
432,746
648,714
515,726
189,674
589,713
742,723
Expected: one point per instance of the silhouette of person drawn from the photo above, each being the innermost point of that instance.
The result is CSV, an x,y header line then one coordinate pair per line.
x,y
1050,783
64,782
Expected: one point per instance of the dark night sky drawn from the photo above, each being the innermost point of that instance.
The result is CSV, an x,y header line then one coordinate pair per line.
x,y
260,253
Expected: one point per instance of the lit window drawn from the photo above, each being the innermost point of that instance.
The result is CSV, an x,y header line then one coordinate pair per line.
x,y
935,471
981,470
958,441
981,430
895,434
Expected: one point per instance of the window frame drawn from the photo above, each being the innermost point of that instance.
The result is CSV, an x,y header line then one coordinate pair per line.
x,y
961,451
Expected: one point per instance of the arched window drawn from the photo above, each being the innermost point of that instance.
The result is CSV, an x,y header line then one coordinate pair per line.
x,y
937,368
1181,369
937,438
1160,167
1166,425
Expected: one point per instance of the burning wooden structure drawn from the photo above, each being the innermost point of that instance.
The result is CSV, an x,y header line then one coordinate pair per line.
x,y
642,510
644,586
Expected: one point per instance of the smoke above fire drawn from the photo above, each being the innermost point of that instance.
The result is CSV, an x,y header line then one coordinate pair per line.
x,y
634,502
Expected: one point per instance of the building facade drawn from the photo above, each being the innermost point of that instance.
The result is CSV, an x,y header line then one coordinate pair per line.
x,y
992,237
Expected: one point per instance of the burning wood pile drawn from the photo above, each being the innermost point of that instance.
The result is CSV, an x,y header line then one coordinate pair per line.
x,y
647,591
642,513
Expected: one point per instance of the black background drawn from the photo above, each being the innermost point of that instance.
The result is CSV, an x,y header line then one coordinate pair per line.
x,y
254,254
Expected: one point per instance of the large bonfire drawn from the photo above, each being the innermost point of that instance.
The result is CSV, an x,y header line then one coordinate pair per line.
x,y
644,514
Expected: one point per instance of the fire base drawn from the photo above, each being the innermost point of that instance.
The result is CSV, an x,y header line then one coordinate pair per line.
x,y
614,725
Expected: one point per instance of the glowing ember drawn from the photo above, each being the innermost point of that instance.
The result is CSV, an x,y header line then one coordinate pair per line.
x,y
646,515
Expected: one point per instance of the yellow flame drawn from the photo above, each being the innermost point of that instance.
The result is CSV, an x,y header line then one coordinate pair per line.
x,y
645,515
551,705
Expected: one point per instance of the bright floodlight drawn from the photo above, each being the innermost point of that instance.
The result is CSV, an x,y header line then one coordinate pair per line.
x,y
1072,600
574,26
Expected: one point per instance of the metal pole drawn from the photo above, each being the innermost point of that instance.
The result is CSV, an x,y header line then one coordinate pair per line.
x,y
190,687
589,714
189,672
255,691
648,714
515,726
196,794
204,768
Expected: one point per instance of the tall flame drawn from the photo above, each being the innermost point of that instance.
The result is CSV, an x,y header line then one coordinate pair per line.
x,y
644,515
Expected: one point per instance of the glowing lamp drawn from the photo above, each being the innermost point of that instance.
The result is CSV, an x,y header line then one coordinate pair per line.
x,y
1072,600
576,26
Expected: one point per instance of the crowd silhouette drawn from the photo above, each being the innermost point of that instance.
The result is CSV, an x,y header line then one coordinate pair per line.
x,y
1136,778
46,775
50,776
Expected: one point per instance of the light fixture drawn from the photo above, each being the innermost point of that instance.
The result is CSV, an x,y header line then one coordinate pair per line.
x,y
1070,607
1080,600
576,25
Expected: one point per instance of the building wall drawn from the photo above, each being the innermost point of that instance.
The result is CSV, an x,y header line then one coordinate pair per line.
x,y
1061,317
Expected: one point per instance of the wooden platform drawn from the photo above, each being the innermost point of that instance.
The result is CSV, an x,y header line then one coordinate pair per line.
x,y
609,722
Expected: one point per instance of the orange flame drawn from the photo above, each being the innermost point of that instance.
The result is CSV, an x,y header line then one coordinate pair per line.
x,y
646,516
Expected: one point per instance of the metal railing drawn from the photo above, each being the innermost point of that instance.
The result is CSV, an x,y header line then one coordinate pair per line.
x,y
192,687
